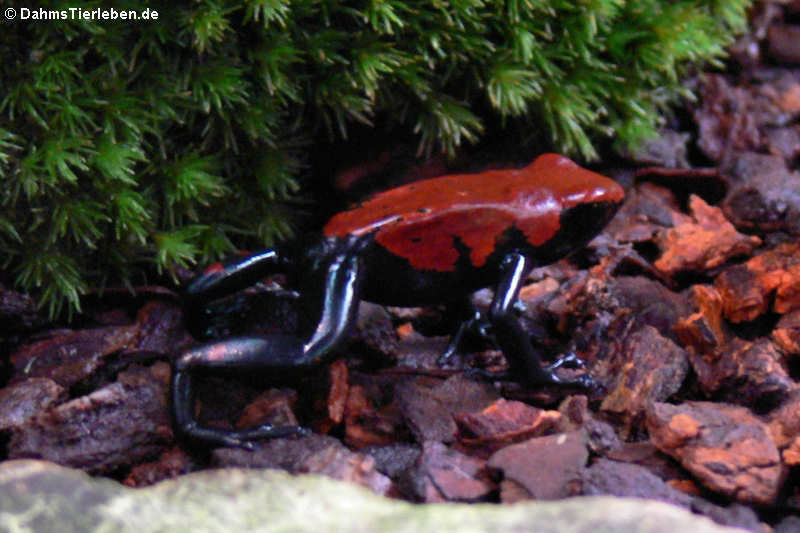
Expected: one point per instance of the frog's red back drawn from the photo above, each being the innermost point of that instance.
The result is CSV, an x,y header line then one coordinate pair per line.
x,y
421,221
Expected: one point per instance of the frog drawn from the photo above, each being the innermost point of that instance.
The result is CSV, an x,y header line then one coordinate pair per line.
x,y
426,242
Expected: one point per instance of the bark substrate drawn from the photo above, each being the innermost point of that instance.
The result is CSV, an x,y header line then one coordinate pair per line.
x,y
686,310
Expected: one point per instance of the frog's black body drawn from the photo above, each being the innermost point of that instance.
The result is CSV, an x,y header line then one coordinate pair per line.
x,y
429,242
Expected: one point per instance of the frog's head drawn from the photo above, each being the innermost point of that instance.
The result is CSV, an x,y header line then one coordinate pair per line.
x,y
572,206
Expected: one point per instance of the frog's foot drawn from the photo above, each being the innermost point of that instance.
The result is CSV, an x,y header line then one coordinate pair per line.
x,y
583,381
489,375
569,360
245,438
477,325
548,375
449,352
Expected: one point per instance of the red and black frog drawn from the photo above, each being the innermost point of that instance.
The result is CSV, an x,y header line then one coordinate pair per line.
x,y
427,242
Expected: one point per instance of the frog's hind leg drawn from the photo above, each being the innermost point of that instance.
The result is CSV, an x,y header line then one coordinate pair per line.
x,y
223,279
233,274
340,298
240,354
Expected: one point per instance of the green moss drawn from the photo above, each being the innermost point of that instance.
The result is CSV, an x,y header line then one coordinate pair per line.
x,y
163,140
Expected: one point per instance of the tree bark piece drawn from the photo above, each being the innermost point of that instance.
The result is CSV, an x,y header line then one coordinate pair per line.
x,y
547,467
704,243
725,447
787,333
745,372
117,425
653,370
770,280
504,422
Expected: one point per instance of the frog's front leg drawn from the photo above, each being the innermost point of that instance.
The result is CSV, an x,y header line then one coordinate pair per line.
x,y
340,297
471,322
524,360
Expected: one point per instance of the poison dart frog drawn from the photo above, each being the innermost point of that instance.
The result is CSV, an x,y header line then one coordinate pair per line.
x,y
421,243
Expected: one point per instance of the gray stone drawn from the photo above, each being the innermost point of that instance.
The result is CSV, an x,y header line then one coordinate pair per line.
x,y
42,497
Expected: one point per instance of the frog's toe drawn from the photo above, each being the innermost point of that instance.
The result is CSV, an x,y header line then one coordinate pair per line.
x,y
489,375
569,360
583,381
447,355
231,441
